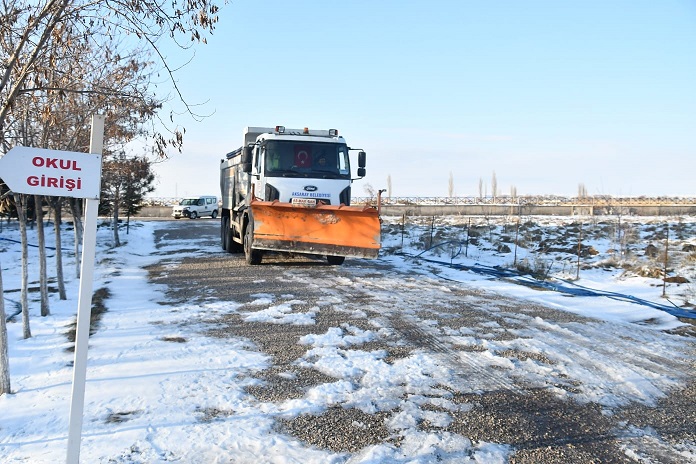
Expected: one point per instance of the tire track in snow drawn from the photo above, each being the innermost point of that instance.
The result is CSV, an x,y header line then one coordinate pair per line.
x,y
418,308
402,313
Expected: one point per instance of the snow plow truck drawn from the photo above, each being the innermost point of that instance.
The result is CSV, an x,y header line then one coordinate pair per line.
x,y
288,190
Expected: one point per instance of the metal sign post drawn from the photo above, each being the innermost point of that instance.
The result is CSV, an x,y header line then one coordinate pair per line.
x,y
84,306
36,171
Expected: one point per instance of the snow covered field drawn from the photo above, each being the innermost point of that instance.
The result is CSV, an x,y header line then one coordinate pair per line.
x,y
151,399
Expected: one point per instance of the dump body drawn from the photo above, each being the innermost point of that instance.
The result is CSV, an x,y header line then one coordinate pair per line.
x,y
289,190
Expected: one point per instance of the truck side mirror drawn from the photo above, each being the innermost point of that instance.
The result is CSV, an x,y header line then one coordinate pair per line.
x,y
362,158
361,172
246,155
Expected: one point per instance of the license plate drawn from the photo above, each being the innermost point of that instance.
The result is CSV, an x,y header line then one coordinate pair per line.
x,y
307,202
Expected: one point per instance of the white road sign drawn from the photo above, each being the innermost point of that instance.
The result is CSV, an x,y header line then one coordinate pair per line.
x,y
37,171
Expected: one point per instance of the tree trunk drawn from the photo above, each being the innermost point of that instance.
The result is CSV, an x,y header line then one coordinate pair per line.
x,y
21,202
76,210
57,208
117,242
43,279
4,356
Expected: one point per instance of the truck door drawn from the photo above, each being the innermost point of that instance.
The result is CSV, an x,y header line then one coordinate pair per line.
x,y
260,179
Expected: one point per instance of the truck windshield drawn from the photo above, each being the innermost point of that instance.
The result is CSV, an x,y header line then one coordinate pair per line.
x,y
306,159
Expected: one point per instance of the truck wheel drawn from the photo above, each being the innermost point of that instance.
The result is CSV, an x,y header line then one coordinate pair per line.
x,y
230,245
193,215
224,232
252,256
214,215
335,260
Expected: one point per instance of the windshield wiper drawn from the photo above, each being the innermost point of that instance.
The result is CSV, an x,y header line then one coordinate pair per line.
x,y
327,174
292,174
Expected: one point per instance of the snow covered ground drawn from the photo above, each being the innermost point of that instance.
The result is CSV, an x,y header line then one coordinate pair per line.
x,y
143,386
625,255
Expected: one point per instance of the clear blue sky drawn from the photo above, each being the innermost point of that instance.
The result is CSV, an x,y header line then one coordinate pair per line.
x,y
547,94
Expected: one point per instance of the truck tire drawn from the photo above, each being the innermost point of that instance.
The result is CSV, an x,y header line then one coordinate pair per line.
x,y
224,232
335,260
252,256
231,245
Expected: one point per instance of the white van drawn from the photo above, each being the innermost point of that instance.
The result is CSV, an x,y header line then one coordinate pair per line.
x,y
194,207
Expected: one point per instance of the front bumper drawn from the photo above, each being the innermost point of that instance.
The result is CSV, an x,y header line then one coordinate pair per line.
x,y
179,214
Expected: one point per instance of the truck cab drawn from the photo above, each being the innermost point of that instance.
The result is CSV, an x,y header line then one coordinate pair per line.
x,y
288,190
305,169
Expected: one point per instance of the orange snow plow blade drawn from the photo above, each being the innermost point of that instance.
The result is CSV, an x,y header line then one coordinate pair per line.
x,y
351,231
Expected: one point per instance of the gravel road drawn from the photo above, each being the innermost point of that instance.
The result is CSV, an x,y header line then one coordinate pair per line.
x,y
525,399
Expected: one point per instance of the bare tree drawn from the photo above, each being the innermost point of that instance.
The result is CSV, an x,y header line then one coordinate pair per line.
x,y
4,357
43,273
56,204
31,31
450,185
55,116
389,186
5,209
62,52
370,191
494,186
480,189
582,191
21,202
76,208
